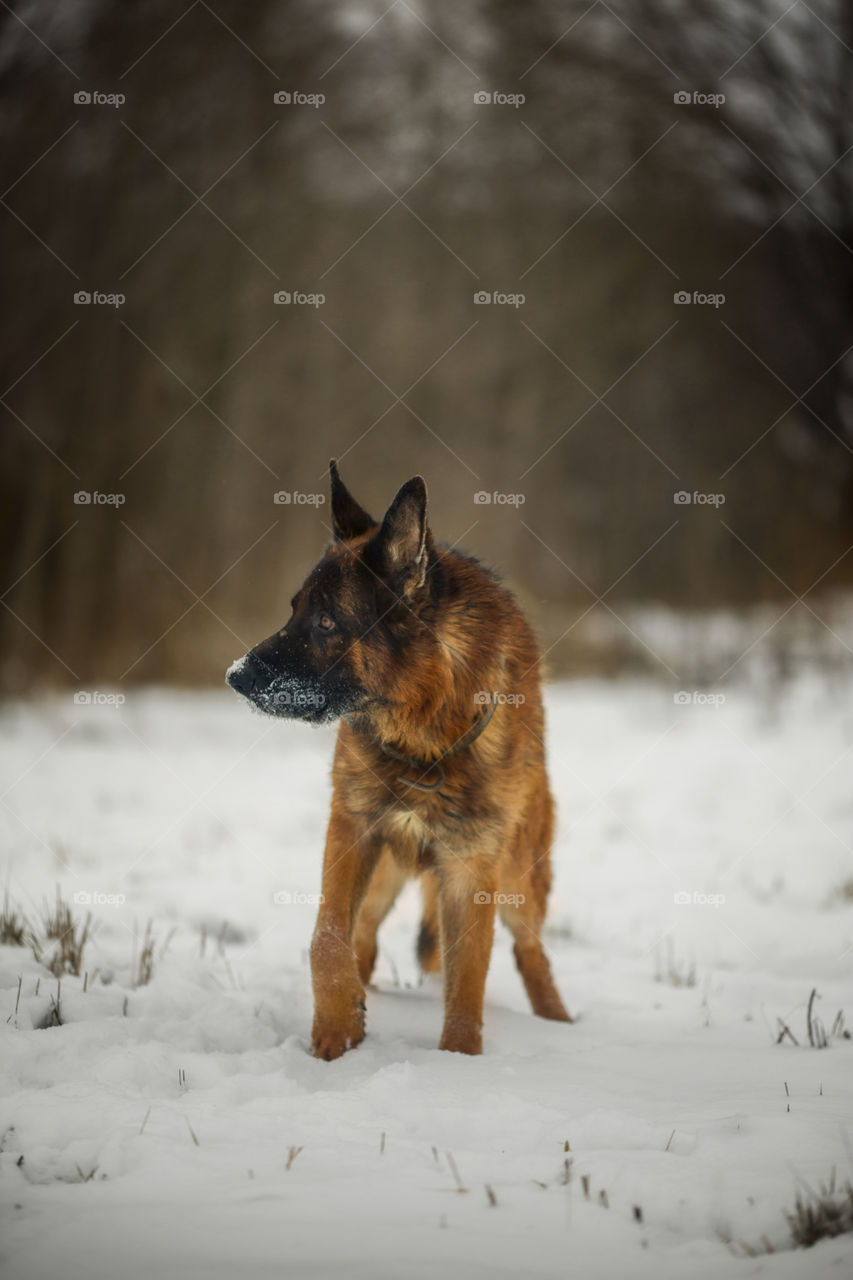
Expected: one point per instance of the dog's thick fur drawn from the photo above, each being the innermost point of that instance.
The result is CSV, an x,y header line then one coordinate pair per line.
x,y
410,645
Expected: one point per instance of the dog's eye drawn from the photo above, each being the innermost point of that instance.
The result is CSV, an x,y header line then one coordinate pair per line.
x,y
325,623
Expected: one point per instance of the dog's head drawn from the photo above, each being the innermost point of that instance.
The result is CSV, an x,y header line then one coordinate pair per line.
x,y
355,616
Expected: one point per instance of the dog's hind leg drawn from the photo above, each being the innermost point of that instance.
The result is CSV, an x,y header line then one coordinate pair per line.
x,y
533,964
524,884
429,937
386,883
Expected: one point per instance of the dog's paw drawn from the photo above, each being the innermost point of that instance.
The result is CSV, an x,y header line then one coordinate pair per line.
x,y
331,1038
554,1010
461,1036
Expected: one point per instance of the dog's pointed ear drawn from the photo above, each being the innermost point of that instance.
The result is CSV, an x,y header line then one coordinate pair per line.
x,y
349,520
400,550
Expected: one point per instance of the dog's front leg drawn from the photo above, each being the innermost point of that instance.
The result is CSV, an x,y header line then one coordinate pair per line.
x,y
339,1007
467,914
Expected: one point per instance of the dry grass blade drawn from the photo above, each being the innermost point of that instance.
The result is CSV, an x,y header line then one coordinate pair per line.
x,y
460,1186
13,927
816,1030
144,968
821,1215
71,937
674,972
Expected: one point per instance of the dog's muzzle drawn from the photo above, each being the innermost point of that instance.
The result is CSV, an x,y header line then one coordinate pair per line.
x,y
289,694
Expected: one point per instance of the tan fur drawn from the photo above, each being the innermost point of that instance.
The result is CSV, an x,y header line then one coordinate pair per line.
x,y
439,769
486,833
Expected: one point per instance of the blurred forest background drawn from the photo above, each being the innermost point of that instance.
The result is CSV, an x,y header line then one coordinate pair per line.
x,y
661,147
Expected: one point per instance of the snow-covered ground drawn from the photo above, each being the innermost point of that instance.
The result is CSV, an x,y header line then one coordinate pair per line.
x,y
696,840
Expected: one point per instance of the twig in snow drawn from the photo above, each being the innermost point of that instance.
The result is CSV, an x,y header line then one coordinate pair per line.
x,y
817,1033
785,1030
459,1184
17,1001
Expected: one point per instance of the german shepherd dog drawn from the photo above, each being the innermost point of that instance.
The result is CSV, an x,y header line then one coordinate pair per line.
x,y
439,768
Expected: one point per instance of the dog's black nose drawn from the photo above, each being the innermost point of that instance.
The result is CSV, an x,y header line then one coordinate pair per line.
x,y
240,676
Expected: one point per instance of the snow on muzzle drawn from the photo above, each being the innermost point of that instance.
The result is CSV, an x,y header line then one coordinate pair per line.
x,y
289,695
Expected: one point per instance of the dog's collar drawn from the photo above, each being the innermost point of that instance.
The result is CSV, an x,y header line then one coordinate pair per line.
x,y
434,766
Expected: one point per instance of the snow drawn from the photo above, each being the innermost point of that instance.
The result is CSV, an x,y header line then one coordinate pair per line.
x,y
185,1097
236,667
